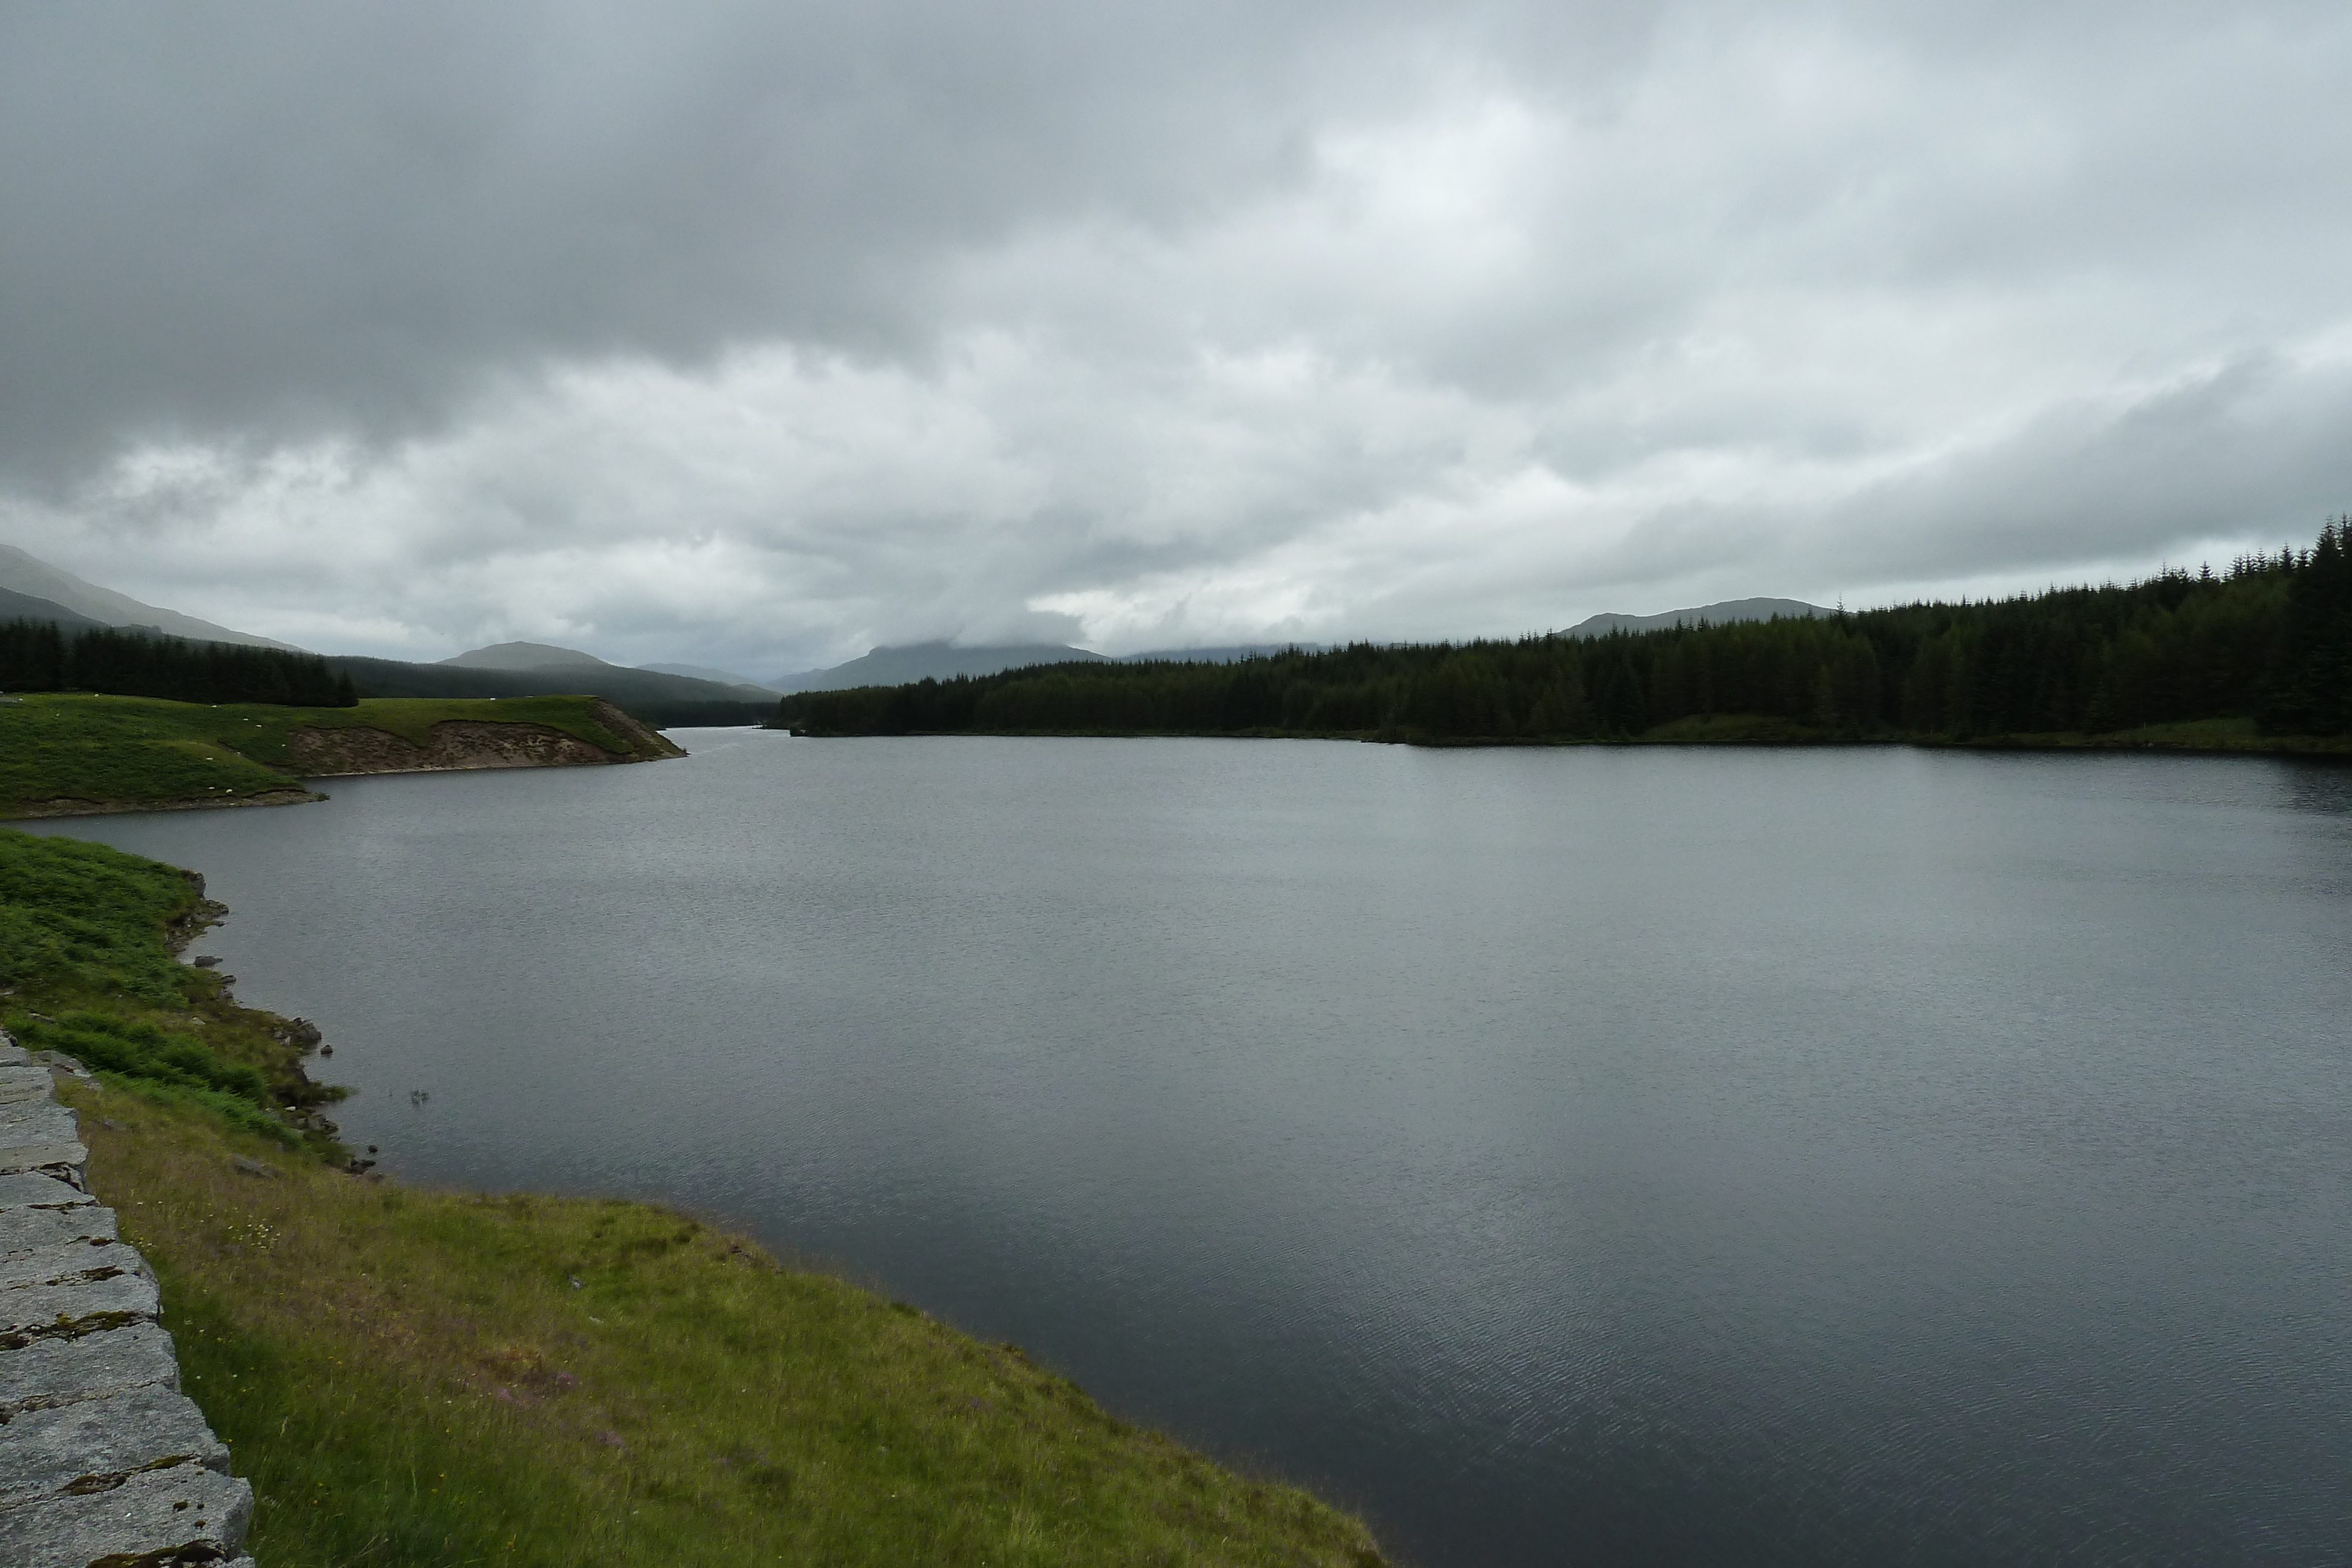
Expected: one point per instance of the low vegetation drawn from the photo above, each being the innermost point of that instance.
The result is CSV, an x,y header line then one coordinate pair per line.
x,y
2257,658
87,966
76,751
414,1377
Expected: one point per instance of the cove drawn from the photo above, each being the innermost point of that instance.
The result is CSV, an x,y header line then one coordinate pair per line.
x,y
1591,1156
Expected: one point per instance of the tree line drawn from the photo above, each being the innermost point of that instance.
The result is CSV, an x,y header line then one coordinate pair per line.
x,y
39,656
2269,640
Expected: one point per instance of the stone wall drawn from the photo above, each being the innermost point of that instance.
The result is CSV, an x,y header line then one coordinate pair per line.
x,y
102,1460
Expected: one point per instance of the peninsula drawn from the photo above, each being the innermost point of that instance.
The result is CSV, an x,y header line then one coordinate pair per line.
x,y
81,754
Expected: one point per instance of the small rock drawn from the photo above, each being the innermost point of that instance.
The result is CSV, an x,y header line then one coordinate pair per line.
x,y
359,1167
207,962
371,1149
253,1167
577,1283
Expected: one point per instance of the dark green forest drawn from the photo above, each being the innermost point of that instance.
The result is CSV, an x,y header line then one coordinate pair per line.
x,y
37,656
2267,645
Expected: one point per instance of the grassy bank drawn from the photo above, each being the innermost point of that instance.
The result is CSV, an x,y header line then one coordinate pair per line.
x,y
416,1377
73,752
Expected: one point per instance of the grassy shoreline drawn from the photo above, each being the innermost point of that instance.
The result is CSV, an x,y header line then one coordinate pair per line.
x,y
423,1377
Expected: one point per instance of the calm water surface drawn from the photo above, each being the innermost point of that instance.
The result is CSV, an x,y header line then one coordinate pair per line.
x,y
1583,1156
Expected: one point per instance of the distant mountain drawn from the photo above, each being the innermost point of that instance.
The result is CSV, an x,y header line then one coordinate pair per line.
x,y
525,656
1713,614
663,701
705,672
1231,653
17,606
934,660
22,573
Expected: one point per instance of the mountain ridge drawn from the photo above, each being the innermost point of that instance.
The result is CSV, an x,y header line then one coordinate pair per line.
x,y
21,572
1717,614
894,665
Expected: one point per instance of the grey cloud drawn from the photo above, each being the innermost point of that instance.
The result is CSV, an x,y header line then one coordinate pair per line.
x,y
331,214
751,334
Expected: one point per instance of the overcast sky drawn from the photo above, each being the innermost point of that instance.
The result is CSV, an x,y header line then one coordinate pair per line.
x,y
758,334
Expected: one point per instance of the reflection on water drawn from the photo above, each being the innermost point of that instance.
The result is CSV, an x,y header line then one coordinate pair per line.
x,y
1634,1156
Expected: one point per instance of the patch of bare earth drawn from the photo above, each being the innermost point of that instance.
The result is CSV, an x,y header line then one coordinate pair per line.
x,y
458,744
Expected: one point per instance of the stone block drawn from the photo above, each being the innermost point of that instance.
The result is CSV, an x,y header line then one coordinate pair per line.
x,y
51,1157
36,1121
60,1371
184,1514
28,1082
94,1444
30,1189
24,1230
83,1306
64,1260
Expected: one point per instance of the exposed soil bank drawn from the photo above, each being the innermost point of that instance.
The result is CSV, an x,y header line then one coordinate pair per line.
x,y
458,744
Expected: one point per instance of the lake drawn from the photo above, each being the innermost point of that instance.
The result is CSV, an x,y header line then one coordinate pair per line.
x,y
1597,1156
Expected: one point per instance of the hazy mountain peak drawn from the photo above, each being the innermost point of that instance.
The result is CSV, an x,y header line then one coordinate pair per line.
x,y
27,574
893,667
706,672
525,656
1713,614
15,606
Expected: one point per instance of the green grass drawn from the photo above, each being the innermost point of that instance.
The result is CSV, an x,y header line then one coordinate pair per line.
x,y
87,966
78,750
412,1377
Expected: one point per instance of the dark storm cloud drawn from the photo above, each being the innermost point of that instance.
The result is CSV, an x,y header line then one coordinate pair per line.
x,y
218,213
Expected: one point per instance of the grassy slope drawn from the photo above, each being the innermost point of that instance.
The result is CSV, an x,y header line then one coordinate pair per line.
x,y
412,1377
82,930
133,751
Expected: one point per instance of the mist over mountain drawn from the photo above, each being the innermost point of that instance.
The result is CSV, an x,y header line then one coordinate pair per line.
x,y
15,606
24,574
1721,615
941,661
705,672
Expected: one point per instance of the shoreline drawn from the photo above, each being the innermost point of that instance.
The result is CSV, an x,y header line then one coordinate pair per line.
x,y
2312,746
571,1378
